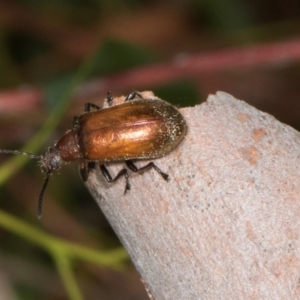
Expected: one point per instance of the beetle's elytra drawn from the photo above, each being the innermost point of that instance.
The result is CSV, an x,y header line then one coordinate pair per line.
x,y
138,128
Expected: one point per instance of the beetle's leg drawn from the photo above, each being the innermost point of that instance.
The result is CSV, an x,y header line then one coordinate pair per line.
x,y
132,95
88,107
108,177
85,168
75,122
110,98
150,165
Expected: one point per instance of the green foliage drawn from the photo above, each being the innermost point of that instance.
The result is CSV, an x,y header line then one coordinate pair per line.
x,y
181,93
114,56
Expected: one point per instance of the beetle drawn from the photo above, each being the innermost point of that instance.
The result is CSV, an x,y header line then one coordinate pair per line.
x,y
139,128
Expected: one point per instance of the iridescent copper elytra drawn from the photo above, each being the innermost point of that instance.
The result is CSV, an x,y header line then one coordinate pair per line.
x,y
138,128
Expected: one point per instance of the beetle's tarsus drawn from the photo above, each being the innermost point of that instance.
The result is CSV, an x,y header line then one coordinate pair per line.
x,y
89,106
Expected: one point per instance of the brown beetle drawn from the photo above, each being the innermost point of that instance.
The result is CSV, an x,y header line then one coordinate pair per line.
x,y
136,129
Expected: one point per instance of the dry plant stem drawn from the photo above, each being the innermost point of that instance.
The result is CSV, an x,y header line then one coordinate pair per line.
x,y
227,224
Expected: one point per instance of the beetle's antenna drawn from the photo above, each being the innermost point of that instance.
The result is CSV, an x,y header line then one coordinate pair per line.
x,y
48,173
40,203
31,155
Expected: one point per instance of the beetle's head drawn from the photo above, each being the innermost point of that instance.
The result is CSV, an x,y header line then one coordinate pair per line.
x,y
49,162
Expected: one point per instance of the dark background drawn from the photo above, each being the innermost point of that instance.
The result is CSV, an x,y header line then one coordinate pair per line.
x,y
43,43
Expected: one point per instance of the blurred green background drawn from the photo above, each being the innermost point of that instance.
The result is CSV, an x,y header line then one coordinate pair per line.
x,y
53,47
